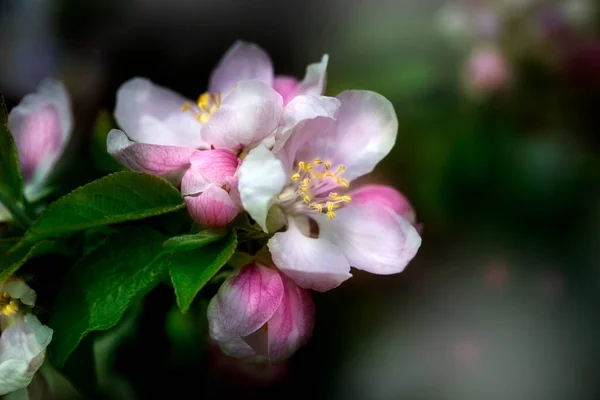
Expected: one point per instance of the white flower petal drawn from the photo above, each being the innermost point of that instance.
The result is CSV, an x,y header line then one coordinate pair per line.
x,y
151,114
18,289
314,80
313,263
261,178
373,239
22,352
364,133
243,61
246,116
303,108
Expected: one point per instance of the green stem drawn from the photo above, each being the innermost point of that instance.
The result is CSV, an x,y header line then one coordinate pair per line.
x,y
21,218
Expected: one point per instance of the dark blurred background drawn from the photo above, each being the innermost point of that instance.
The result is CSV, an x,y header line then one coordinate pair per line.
x,y
498,149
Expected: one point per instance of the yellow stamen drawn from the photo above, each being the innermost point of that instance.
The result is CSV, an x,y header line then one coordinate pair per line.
x,y
318,161
327,164
296,176
331,214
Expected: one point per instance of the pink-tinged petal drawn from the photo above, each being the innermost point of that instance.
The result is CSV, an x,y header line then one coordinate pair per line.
x,y
315,79
246,116
213,207
209,166
364,133
371,238
233,182
292,324
41,125
300,109
245,302
261,178
385,196
151,114
216,165
38,138
169,162
286,87
243,61
193,182
316,264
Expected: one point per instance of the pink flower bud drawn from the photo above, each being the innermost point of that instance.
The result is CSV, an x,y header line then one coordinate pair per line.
x,y
260,315
487,71
386,196
41,126
286,86
210,187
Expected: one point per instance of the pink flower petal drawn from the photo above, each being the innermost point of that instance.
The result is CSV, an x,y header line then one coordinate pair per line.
x,y
292,324
246,116
213,207
384,196
316,264
41,125
286,87
243,61
371,238
169,162
245,302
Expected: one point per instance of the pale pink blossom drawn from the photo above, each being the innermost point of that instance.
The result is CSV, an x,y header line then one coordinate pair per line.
x,y
41,126
23,339
302,183
260,315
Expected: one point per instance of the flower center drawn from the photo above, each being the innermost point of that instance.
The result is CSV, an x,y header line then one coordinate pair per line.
x,y
8,305
312,188
207,104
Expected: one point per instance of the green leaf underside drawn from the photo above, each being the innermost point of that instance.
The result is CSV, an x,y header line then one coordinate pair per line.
x,y
191,270
10,171
123,196
194,241
103,285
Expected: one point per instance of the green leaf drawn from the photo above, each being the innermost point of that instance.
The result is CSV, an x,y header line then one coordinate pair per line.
x,y
10,171
191,270
100,287
119,197
10,263
194,241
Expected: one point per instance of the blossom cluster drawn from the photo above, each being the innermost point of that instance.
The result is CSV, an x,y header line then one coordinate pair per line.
x,y
272,146
280,150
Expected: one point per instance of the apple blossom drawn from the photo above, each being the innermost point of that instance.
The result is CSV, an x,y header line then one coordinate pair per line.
x,y
260,315
41,126
23,339
322,145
